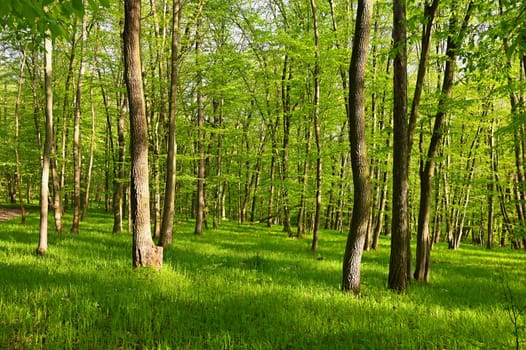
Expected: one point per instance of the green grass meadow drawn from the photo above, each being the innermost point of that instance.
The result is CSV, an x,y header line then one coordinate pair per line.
x,y
245,287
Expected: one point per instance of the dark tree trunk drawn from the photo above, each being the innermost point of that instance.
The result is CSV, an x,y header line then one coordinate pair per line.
x,y
144,252
359,159
400,253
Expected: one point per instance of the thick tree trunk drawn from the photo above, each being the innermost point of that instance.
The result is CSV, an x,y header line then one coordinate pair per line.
x,y
359,159
48,149
144,251
169,190
400,253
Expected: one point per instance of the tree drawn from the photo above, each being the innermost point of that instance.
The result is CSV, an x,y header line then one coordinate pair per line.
x,y
400,219
48,148
169,191
316,103
359,159
455,38
144,252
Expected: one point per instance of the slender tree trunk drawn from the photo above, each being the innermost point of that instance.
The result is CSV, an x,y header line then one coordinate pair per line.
x,y
119,188
286,77
400,252
359,159
17,135
200,214
426,174
316,103
48,149
429,16
90,162
304,183
76,134
491,185
169,190
144,251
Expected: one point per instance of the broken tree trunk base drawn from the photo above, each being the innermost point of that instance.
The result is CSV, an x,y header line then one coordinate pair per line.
x,y
149,256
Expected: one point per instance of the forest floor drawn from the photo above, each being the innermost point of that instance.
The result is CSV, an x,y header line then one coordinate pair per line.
x,y
246,287
9,213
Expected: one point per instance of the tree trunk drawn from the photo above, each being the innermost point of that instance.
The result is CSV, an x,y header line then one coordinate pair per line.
x,y
90,163
200,214
169,190
426,174
144,251
491,185
76,134
359,158
17,135
316,103
286,77
400,253
48,149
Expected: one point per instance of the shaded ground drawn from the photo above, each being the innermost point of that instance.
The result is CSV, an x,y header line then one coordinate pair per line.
x,y
9,213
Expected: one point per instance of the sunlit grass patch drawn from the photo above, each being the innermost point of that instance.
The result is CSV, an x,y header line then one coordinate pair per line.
x,y
242,287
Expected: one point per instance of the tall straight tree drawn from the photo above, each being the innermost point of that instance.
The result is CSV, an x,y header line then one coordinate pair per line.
x,y
398,262
423,246
169,191
200,214
359,159
76,134
48,147
316,103
144,252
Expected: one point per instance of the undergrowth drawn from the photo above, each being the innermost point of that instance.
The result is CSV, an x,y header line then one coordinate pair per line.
x,y
242,287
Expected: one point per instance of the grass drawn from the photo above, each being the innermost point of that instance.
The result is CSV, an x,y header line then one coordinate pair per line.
x,y
243,287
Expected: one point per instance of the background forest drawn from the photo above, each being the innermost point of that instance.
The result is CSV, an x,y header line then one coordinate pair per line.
x,y
255,141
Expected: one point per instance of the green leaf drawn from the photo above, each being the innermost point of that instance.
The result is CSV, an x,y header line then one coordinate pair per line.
x,y
78,6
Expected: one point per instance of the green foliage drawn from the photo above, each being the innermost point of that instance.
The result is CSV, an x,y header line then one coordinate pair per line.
x,y
241,287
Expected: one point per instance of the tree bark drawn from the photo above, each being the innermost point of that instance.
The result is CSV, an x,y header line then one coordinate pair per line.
x,y
200,212
169,191
316,103
400,252
76,134
359,158
144,251
17,135
286,77
48,148
426,174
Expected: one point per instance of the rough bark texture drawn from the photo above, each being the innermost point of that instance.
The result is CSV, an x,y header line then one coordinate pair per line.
x,y
169,191
400,253
144,252
359,158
